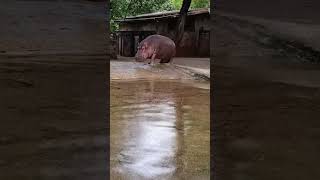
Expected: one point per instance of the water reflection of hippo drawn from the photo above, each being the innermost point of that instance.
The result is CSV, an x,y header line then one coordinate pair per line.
x,y
156,47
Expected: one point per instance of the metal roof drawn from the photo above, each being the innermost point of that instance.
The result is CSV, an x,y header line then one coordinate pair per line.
x,y
164,14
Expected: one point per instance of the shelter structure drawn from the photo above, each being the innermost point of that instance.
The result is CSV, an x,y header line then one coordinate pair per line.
x,y
195,41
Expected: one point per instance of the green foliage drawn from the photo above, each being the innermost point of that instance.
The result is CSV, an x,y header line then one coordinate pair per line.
x,y
124,8
176,4
200,4
194,4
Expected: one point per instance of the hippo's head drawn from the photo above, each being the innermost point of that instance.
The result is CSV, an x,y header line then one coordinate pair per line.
x,y
144,52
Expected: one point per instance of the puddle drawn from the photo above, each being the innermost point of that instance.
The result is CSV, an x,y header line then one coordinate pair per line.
x,y
160,130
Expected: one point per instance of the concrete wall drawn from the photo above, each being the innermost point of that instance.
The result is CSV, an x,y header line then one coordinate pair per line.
x,y
293,10
294,20
53,26
113,46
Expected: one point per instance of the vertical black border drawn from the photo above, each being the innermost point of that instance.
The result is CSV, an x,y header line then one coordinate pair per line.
x,y
212,76
107,85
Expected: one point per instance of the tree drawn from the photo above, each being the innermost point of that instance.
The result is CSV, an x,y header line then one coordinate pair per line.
x,y
194,4
182,20
123,8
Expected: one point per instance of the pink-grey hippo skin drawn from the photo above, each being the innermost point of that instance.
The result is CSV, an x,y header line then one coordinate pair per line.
x,y
156,47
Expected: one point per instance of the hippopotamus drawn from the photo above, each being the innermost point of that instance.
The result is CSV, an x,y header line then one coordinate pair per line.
x,y
156,47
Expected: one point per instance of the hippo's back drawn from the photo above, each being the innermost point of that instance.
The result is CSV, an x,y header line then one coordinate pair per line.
x,y
165,47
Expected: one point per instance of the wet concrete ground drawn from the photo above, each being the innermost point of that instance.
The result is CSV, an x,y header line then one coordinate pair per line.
x,y
53,120
53,101
180,68
160,124
266,107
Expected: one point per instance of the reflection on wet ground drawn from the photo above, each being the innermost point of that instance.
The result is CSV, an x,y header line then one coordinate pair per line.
x,y
133,71
159,130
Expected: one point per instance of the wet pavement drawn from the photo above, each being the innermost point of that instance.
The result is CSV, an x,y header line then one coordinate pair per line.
x,y
125,68
53,101
160,127
53,120
266,107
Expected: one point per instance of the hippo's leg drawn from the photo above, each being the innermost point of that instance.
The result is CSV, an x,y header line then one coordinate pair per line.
x,y
153,58
171,61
